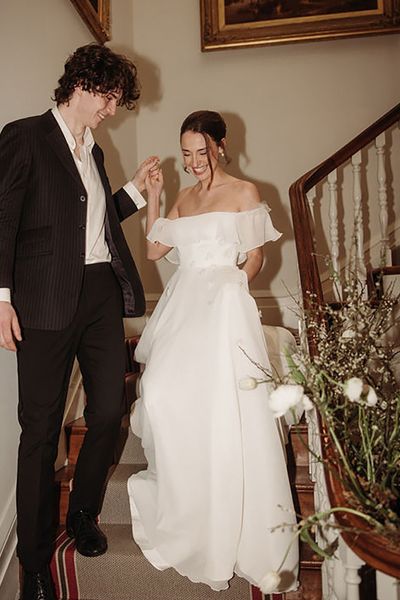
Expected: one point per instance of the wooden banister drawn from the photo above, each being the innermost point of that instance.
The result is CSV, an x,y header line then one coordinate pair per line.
x,y
372,548
302,222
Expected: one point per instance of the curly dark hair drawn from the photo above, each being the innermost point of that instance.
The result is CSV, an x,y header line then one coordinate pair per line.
x,y
96,68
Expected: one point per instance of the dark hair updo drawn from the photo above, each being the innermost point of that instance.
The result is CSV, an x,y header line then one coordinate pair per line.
x,y
96,68
206,122
211,125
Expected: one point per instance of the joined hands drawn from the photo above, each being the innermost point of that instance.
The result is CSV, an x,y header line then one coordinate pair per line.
x,y
148,176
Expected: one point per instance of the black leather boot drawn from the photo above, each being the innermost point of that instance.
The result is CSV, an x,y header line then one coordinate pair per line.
x,y
38,586
89,539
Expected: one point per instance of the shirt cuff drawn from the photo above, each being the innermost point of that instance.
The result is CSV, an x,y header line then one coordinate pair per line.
x,y
135,195
5,295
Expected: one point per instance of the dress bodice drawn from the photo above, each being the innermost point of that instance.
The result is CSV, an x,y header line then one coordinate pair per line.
x,y
214,238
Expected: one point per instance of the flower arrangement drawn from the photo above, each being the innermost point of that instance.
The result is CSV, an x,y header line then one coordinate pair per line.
x,y
347,374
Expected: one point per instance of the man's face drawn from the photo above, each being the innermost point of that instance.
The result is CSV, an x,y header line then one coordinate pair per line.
x,y
94,107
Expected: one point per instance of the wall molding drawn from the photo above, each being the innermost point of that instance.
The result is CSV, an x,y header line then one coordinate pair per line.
x,y
7,518
8,564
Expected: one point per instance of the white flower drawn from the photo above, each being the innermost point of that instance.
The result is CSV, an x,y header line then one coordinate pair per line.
x,y
249,383
284,397
270,582
308,405
353,389
371,398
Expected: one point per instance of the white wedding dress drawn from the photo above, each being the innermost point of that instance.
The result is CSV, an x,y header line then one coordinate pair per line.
x,y
216,489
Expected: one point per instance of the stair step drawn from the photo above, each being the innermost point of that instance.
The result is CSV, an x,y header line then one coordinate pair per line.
x,y
124,574
115,509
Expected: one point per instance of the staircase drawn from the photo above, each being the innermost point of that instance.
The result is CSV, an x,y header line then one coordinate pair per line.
x,y
123,573
347,207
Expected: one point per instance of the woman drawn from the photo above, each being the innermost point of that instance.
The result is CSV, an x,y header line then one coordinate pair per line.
x,y
216,483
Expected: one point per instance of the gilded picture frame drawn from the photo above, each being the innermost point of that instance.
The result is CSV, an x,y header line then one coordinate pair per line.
x,y
242,23
96,14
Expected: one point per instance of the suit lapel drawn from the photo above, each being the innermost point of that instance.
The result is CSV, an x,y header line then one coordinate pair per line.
x,y
57,141
97,155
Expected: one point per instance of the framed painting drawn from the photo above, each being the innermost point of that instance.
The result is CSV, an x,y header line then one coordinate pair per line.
x,y
242,23
96,14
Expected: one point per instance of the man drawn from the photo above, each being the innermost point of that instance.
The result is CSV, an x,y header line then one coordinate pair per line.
x,y
66,280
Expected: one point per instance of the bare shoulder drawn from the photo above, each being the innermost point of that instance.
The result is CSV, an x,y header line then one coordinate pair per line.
x,y
247,195
180,202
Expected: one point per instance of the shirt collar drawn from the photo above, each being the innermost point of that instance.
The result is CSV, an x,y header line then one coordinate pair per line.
x,y
88,139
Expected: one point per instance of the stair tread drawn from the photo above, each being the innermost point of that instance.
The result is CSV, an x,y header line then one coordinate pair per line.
x,y
125,563
121,542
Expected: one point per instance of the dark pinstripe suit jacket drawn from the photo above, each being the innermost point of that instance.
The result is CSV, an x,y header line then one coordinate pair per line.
x,y
42,225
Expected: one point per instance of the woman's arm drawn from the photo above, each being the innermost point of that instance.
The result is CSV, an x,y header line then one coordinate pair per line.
x,y
253,263
154,183
250,199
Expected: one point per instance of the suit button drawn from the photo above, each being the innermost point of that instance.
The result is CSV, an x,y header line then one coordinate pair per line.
x,y
82,255
82,198
83,227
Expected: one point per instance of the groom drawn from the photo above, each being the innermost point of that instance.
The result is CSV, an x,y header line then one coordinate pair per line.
x,y
66,280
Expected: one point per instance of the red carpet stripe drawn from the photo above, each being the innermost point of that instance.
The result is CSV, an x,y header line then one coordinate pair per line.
x,y
55,573
63,568
255,593
70,571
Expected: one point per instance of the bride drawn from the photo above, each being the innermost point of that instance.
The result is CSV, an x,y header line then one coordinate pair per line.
x,y
216,490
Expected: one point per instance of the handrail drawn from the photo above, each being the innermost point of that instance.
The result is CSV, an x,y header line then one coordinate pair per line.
x,y
371,547
309,275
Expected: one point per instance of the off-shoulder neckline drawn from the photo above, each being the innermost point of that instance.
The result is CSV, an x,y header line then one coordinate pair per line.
x,y
217,212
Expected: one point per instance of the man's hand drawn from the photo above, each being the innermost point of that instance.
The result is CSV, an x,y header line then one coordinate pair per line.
x,y
150,165
9,327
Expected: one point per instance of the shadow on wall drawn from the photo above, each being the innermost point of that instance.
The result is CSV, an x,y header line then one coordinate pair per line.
x,y
236,148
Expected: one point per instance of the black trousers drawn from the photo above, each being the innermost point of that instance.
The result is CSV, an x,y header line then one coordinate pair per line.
x,y
45,360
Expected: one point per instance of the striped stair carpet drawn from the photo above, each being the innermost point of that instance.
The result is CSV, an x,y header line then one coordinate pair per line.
x,y
123,573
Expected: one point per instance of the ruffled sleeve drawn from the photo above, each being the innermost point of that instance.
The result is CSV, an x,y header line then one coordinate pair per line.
x,y
162,232
255,228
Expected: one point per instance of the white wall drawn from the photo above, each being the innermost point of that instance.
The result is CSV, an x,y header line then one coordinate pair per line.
x,y
287,108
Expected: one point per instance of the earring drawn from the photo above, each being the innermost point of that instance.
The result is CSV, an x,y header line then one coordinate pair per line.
x,y
221,153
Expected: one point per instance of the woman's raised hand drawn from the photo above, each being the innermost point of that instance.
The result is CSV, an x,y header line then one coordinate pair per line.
x,y
152,163
154,181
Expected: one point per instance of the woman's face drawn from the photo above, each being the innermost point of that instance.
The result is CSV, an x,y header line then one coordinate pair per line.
x,y
195,159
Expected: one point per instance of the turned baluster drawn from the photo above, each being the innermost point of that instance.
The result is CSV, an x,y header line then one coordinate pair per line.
x,y
358,262
352,564
380,143
387,588
334,229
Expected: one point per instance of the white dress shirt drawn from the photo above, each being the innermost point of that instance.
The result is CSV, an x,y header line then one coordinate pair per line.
x,y
96,246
